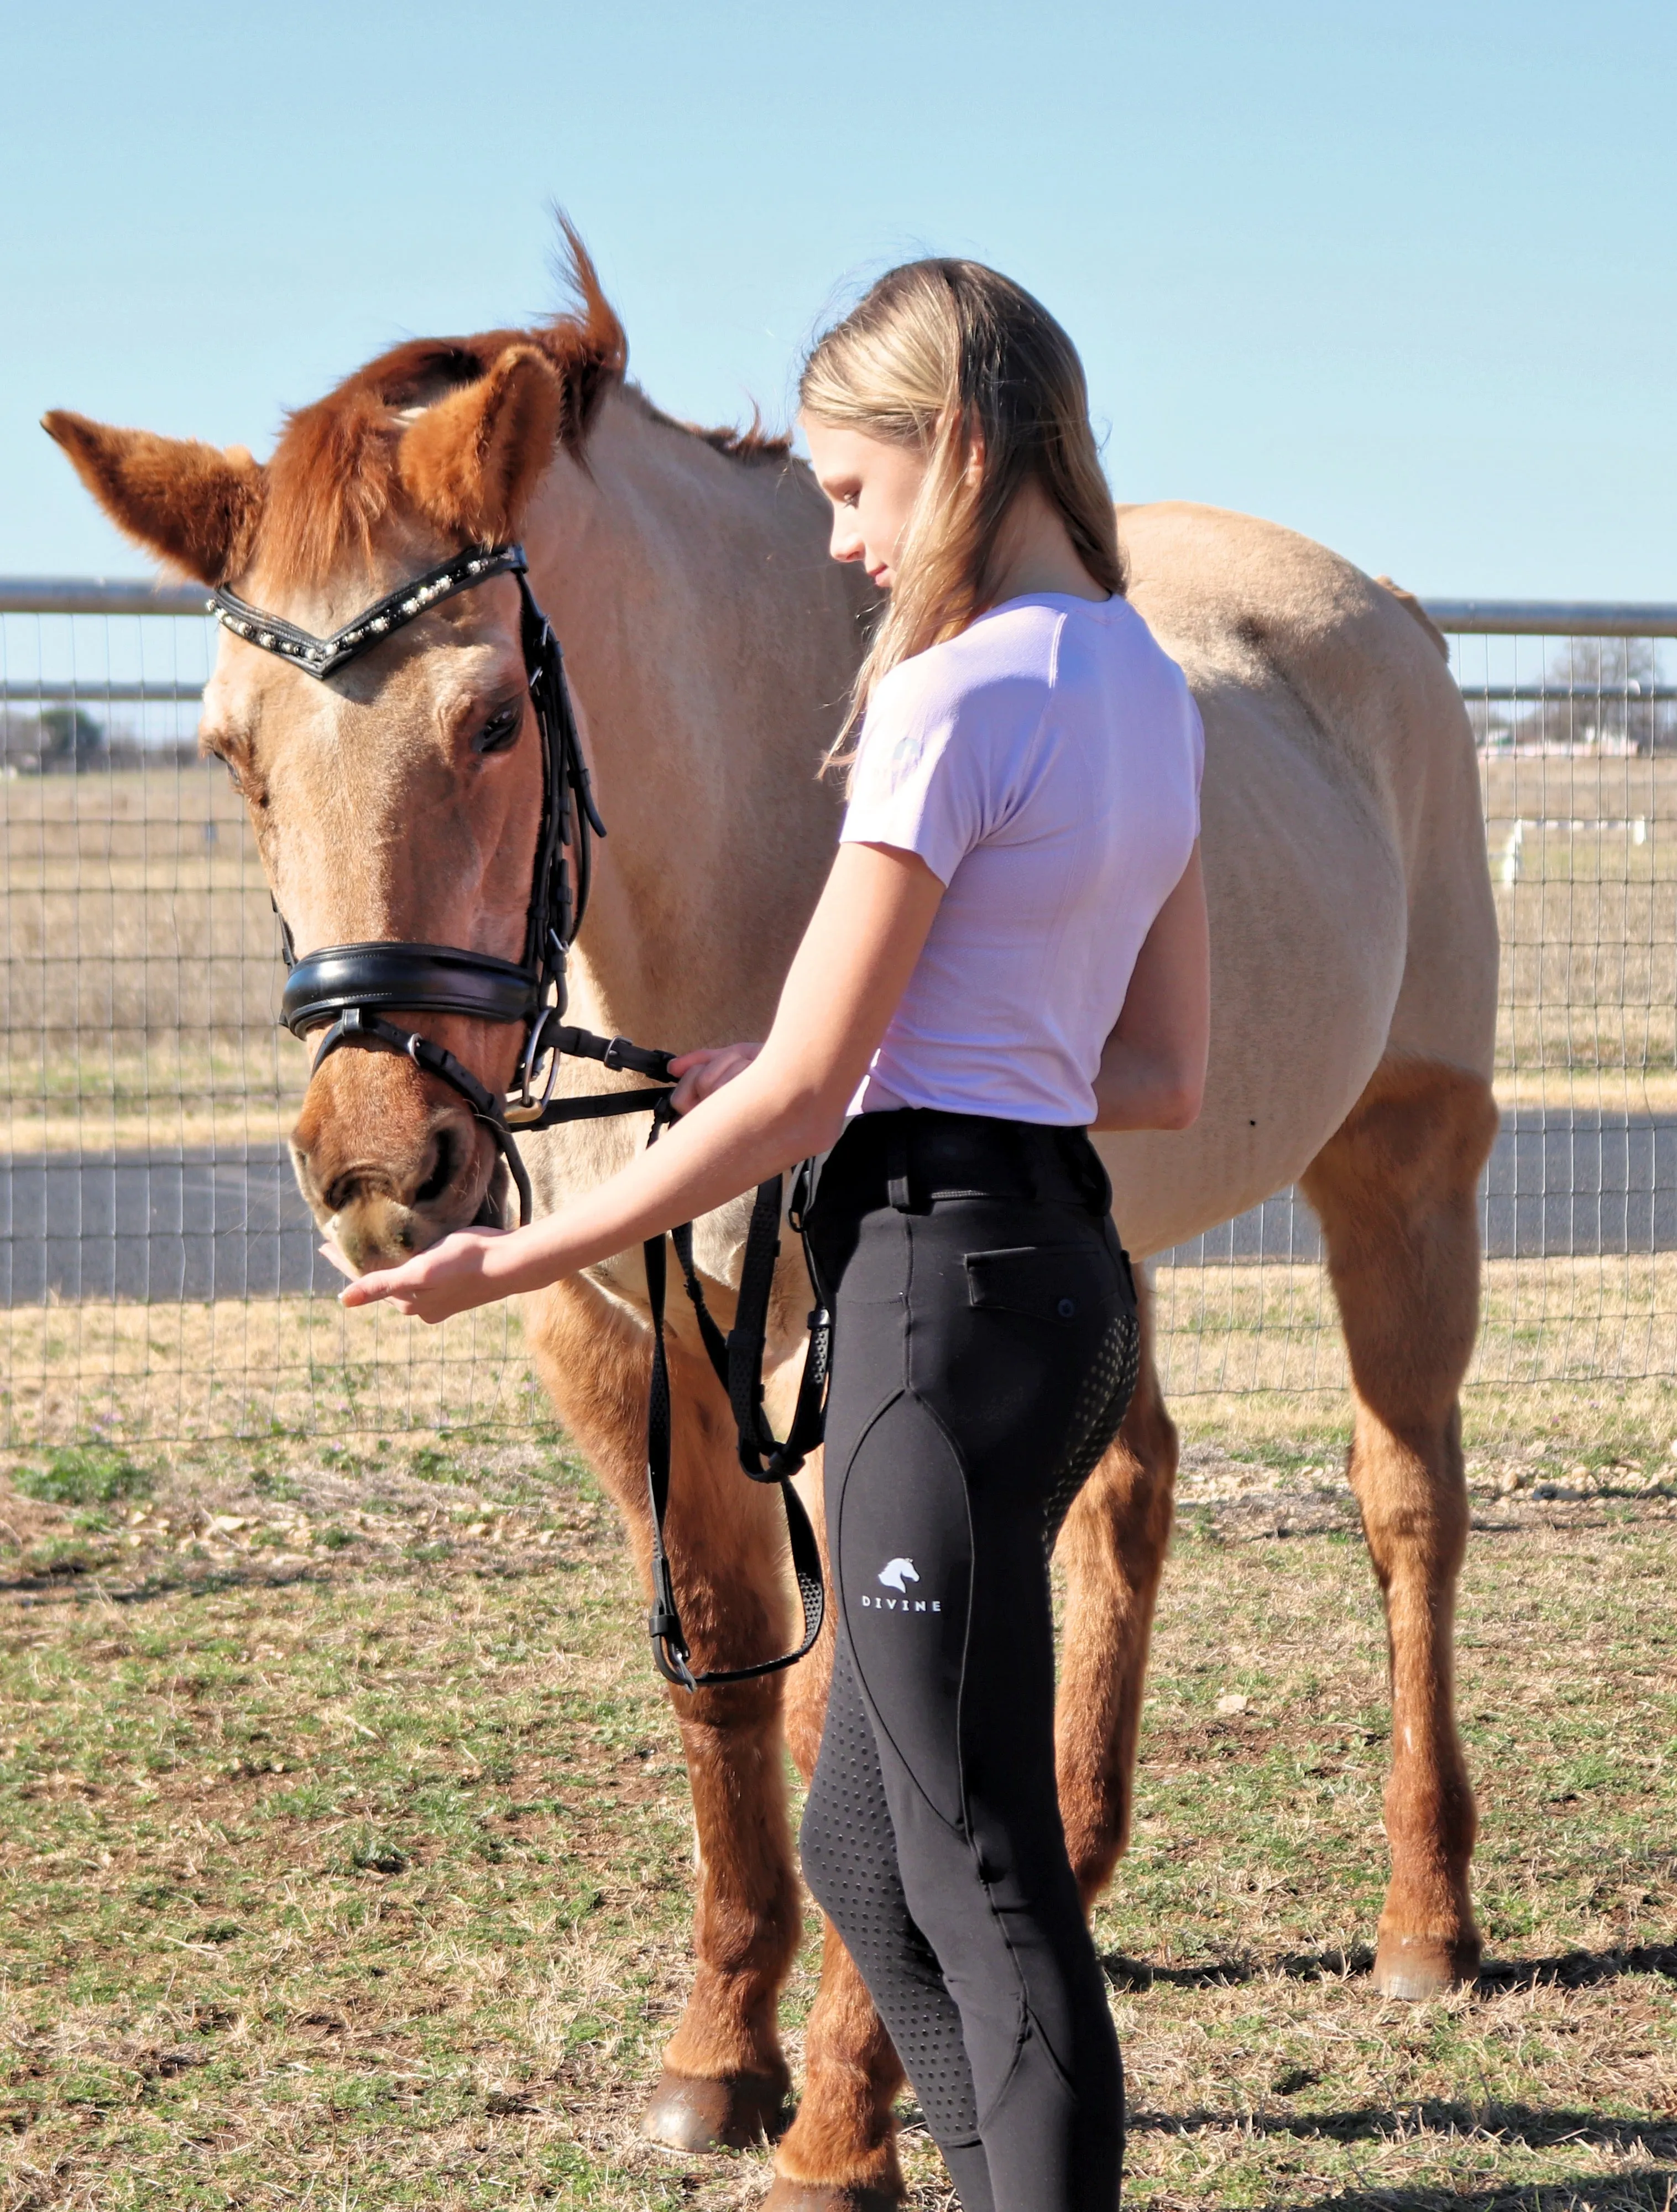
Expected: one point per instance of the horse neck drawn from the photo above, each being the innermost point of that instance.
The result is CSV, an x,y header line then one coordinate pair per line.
x,y
710,646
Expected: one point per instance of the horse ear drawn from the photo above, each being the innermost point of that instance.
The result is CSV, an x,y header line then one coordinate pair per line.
x,y
196,506
471,461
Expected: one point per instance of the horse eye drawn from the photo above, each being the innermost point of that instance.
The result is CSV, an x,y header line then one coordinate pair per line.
x,y
214,752
500,731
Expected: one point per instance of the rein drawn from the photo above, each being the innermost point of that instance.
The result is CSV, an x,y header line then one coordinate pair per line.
x,y
348,990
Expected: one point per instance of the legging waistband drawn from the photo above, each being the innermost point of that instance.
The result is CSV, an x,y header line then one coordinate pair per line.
x,y
915,1157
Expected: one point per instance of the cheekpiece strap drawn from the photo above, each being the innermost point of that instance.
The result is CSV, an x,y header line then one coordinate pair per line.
x,y
323,656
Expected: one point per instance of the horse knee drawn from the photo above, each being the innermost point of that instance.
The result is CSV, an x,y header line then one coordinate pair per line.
x,y
1396,1192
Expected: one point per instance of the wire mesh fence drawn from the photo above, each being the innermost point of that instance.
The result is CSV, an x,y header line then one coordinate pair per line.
x,y
157,1268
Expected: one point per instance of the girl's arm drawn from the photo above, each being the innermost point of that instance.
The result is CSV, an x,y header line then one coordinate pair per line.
x,y
1152,1074
841,991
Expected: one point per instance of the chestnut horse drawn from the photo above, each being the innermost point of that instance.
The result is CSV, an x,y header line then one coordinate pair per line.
x,y
710,643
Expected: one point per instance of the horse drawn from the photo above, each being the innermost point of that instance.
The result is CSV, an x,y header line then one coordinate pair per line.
x,y
711,643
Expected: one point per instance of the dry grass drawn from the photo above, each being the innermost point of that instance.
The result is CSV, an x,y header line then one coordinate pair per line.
x,y
345,1856
257,1367
1589,929
139,982
1580,1353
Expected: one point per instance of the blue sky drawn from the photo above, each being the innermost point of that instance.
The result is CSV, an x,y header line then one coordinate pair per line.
x,y
1400,278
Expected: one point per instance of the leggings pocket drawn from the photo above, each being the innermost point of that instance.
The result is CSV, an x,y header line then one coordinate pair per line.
x,y
1062,1283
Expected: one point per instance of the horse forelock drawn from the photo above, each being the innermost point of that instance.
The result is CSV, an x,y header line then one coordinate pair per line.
x,y
333,479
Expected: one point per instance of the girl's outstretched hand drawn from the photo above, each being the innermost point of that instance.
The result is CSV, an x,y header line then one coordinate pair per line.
x,y
474,1266
447,1280
700,1073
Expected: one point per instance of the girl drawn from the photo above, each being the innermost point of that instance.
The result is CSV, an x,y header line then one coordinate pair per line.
x,y
1010,948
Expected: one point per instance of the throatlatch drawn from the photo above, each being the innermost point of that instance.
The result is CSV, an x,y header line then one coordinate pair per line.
x,y
348,990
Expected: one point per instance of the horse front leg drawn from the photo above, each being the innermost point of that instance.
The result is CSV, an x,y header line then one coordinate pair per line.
x,y
1112,1548
1395,1191
725,2078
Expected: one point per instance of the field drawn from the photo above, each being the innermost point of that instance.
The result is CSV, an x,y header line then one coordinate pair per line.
x,y
346,1849
1588,926
140,978
1577,1357
139,975
344,1837
138,988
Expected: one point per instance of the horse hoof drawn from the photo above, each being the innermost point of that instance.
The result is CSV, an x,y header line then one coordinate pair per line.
x,y
1416,1967
816,2197
732,2114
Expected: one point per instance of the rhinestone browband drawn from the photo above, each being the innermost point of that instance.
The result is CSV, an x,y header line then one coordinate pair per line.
x,y
321,655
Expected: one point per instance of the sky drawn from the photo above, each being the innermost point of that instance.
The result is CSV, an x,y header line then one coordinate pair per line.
x,y
1400,278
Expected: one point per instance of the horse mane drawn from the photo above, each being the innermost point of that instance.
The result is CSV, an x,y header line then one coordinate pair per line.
x,y
753,444
332,478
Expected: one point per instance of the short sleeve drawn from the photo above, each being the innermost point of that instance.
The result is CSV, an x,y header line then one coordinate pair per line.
x,y
1197,749
919,783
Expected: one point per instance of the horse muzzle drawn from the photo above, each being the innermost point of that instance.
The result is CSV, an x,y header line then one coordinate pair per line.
x,y
390,1163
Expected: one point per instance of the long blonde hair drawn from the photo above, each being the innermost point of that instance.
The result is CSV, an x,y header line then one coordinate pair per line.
x,y
956,360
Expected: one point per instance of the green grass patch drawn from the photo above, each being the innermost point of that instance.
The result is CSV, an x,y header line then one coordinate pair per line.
x,y
83,1474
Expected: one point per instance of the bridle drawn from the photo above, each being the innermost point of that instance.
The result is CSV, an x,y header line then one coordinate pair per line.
x,y
346,990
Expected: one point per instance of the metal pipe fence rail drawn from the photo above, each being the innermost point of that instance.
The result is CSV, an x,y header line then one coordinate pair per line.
x,y
157,1268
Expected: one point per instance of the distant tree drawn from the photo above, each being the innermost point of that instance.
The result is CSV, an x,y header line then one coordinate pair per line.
x,y
1602,692
70,734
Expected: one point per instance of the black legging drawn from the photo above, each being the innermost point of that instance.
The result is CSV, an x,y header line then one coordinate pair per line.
x,y
985,1348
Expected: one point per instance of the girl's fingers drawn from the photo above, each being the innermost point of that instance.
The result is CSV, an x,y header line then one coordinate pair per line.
x,y
706,1072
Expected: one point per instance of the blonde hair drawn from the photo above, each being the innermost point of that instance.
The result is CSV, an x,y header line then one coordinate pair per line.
x,y
955,359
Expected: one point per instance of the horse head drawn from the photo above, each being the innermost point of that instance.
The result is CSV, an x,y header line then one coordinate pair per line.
x,y
397,797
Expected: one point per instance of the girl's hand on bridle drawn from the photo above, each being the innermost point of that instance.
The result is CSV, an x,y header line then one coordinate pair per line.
x,y
447,1280
702,1072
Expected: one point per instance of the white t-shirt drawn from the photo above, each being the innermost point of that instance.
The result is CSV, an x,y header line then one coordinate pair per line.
x,y
1045,765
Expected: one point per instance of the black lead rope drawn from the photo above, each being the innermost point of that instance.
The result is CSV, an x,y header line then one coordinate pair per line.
x,y
737,1359
348,990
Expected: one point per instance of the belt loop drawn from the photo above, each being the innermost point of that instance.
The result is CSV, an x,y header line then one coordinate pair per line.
x,y
897,1165
1028,1151
1090,1169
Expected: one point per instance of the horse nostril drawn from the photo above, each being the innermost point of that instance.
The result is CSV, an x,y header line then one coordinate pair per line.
x,y
442,1173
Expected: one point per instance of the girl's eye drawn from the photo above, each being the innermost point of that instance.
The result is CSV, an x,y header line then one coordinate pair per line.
x,y
500,732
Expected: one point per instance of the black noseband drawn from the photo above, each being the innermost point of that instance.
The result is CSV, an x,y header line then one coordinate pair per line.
x,y
435,976
347,989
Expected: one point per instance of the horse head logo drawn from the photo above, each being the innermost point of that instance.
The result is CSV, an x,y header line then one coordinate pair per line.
x,y
898,1574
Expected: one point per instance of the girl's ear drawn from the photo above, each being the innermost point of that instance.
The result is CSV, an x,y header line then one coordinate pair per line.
x,y
973,472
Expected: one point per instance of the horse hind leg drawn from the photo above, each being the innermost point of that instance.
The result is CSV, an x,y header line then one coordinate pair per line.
x,y
1396,1192
1112,1548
